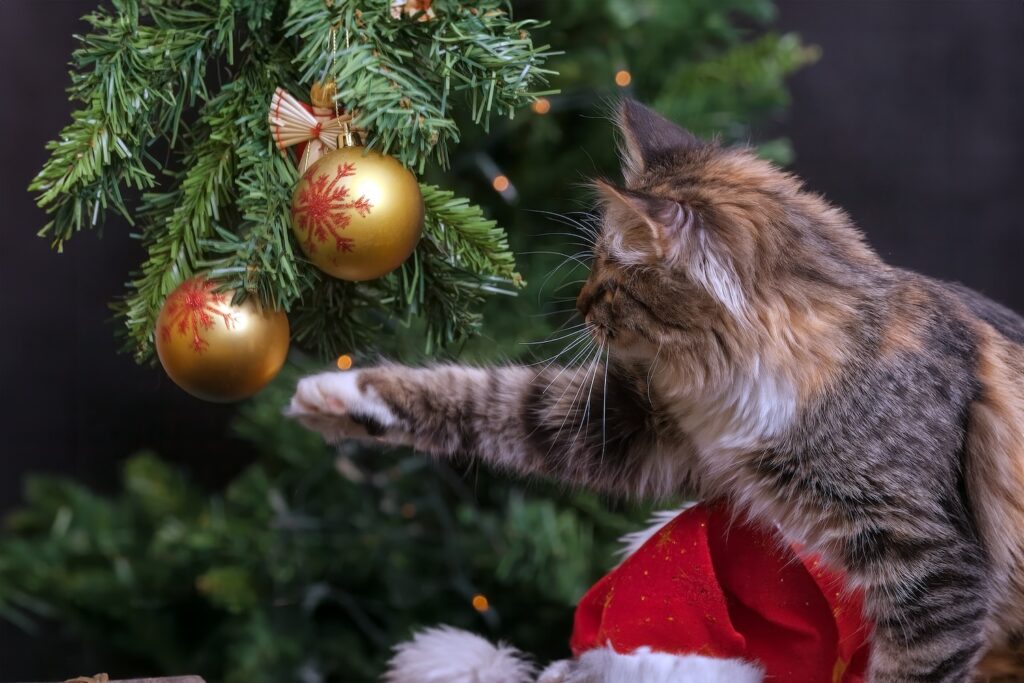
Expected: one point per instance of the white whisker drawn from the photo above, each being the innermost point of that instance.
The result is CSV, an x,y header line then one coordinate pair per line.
x,y
573,257
604,405
584,336
560,311
568,284
586,350
650,372
573,330
588,224
585,416
576,396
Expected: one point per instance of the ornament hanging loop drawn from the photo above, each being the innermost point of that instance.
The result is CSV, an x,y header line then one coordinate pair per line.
x,y
349,136
329,69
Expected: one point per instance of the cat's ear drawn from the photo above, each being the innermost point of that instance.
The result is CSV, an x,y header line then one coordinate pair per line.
x,y
648,137
643,229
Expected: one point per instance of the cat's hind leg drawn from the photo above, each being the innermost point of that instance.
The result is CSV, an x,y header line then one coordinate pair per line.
x,y
929,598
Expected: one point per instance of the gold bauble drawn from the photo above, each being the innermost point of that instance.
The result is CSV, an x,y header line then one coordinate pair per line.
x,y
217,351
357,214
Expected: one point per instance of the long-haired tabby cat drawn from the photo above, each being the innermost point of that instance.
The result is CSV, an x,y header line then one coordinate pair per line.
x,y
760,351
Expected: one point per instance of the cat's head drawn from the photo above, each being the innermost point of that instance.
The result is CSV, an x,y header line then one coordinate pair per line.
x,y
703,243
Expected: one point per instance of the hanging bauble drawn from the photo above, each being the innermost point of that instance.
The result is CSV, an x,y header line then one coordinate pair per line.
x,y
357,214
217,351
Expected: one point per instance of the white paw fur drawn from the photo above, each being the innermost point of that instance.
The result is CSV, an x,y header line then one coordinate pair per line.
x,y
332,404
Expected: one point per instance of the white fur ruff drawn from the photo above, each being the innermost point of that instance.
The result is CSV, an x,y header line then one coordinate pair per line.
x,y
604,665
448,655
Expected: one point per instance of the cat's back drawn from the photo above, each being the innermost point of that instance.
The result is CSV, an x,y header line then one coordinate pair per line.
x,y
1004,321
994,339
997,335
994,455
930,323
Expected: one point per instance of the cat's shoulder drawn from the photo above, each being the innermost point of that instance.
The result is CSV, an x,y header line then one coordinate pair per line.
x,y
946,316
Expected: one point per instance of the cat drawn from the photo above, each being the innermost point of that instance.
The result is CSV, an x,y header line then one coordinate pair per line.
x,y
748,344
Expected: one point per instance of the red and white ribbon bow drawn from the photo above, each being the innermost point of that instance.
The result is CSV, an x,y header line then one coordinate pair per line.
x,y
293,123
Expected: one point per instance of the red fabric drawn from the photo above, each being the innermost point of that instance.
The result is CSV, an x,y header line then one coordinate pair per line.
x,y
707,584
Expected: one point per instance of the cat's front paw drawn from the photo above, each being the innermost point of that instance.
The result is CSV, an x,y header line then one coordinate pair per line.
x,y
343,405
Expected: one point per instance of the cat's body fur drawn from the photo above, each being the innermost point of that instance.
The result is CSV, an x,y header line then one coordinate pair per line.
x,y
761,352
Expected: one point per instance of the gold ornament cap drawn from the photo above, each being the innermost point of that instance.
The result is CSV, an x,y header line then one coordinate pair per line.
x,y
322,94
217,351
357,214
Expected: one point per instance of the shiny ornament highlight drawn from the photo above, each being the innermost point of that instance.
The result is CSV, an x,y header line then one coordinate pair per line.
x,y
217,351
357,214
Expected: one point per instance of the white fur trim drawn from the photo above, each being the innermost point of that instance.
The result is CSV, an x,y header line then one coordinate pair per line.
x,y
632,541
556,672
604,665
448,655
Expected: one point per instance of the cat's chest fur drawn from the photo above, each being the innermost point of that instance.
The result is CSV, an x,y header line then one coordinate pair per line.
x,y
729,420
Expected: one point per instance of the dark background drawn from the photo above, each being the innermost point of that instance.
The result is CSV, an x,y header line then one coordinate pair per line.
x,y
913,120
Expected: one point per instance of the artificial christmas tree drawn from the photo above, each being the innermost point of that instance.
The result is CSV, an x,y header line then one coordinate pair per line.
x,y
216,194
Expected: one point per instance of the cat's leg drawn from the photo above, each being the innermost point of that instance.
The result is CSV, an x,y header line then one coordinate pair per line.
x,y
927,591
576,424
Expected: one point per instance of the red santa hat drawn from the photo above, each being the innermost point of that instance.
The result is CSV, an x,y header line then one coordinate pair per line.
x,y
710,598
704,598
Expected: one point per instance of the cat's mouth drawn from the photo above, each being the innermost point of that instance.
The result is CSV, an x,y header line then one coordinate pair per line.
x,y
600,332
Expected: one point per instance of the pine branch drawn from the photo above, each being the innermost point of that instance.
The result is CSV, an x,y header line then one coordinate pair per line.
x,y
463,256
464,237
221,203
187,213
401,75
135,80
747,77
339,317
259,256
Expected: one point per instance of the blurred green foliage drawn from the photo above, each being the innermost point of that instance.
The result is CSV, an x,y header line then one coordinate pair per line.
x,y
312,563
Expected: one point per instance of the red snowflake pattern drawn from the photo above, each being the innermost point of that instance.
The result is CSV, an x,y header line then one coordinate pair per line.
x,y
323,208
192,309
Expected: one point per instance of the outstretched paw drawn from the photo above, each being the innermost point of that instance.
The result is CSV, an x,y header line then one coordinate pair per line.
x,y
341,405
